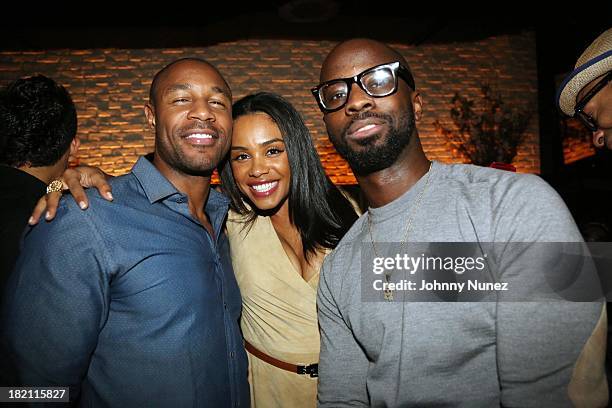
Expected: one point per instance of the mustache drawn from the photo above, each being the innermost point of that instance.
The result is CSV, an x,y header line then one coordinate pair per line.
x,y
366,115
197,127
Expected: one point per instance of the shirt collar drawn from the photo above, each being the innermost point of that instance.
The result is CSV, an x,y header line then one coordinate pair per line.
x,y
217,199
157,187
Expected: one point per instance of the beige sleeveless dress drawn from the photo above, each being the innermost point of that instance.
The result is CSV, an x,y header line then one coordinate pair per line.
x,y
279,315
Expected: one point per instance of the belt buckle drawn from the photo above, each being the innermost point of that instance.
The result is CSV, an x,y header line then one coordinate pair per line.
x,y
312,370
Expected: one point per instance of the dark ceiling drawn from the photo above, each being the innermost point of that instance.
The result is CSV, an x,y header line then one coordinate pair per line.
x,y
65,24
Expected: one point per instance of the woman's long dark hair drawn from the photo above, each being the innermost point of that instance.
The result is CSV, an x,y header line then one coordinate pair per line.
x,y
317,208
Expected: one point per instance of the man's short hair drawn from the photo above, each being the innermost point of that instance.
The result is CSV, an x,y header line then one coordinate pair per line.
x,y
38,122
155,83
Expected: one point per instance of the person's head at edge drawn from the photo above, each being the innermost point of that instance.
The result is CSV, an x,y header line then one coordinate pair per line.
x,y
190,110
586,93
376,135
272,149
38,125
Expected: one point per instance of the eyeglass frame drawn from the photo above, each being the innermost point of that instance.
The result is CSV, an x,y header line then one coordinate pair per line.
x,y
397,69
579,113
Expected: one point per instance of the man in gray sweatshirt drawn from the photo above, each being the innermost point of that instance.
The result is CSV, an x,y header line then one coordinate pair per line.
x,y
379,348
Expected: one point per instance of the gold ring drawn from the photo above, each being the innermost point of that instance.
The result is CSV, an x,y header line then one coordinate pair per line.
x,y
55,185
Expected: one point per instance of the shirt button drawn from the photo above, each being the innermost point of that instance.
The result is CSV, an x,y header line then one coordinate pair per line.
x,y
225,305
181,200
232,354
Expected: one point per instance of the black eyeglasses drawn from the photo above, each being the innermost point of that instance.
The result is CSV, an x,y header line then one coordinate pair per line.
x,y
585,118
378,81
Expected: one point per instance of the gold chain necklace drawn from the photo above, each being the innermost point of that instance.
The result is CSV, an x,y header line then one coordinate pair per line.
x,y
388,293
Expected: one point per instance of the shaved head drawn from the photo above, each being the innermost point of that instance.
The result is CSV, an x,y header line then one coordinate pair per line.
x,y
358,50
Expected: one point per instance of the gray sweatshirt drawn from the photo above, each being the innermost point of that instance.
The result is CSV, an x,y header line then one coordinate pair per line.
x,y
473,354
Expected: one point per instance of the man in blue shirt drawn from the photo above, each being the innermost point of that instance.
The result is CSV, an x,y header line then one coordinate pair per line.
x,y
134,303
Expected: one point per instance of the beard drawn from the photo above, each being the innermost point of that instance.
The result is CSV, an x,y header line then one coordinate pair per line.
x,y
185,160
373,157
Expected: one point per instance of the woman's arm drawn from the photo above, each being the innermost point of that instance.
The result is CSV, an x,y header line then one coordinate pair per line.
x,y
75,180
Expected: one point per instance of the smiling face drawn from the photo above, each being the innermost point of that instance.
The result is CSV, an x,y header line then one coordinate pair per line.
x,y
369,132
192,118
259,162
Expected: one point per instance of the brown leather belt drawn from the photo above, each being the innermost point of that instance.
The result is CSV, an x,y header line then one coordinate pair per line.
x,y
312,369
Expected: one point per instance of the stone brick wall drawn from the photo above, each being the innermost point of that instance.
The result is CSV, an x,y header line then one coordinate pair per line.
x,y
110,88
577,142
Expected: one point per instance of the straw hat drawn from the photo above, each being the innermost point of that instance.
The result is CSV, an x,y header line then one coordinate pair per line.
x,y
595,61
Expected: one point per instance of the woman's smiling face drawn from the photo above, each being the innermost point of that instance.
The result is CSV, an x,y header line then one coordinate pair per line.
x,y
259,161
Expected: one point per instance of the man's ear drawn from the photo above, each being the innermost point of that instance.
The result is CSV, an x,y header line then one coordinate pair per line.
x,y
150,114
417,104
74,145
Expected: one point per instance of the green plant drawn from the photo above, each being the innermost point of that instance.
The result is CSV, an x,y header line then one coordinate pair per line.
x,y
487,132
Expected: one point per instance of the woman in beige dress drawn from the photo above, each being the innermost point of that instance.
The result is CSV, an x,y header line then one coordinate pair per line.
x,y
285,217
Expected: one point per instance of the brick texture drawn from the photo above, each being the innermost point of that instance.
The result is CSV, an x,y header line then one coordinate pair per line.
x,y
577,142
110,88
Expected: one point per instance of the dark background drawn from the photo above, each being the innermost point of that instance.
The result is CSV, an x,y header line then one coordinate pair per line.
x,y
561,35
